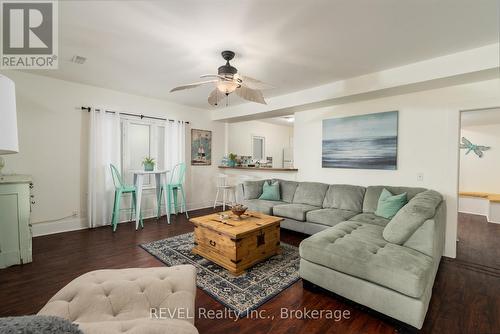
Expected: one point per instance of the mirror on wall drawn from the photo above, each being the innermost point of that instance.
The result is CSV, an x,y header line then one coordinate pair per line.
x,y
258,147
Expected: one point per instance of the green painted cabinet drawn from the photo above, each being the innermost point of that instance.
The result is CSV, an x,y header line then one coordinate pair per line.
x,y
15,229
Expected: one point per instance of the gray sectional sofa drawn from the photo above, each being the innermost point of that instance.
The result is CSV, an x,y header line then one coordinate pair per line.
x,y
387,265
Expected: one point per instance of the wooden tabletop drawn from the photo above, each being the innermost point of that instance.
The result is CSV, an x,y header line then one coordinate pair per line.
x,y
233,227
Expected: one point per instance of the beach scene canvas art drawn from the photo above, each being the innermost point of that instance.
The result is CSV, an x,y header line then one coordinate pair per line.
x,y
201,147
361,142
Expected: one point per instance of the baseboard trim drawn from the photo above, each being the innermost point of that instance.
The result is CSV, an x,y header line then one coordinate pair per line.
x,y
473,213
66,225
80,223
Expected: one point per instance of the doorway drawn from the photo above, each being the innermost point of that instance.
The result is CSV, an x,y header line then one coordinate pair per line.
x,y
478,225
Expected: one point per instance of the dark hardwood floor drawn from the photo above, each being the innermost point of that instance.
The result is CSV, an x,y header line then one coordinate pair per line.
x,y
466,297
478,241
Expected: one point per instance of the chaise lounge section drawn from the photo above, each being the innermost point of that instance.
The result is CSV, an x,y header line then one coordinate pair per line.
x,y
388,265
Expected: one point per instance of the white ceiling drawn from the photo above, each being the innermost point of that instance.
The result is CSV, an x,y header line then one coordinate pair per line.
x,y
148,47
480,117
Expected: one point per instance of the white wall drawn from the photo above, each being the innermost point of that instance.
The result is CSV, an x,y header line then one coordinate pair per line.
x,y
53,136
277,138
481,174
428,142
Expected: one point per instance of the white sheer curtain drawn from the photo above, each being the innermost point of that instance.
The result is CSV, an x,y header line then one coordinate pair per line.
x,y
104,149
175,143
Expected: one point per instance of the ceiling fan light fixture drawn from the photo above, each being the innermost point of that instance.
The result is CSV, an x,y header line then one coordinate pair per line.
x,y
228,81
226,86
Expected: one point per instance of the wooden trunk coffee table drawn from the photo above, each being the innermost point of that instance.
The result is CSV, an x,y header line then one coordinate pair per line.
x,y
236,244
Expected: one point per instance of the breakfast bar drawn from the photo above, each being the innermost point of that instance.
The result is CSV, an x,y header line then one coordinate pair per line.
x,y
261,172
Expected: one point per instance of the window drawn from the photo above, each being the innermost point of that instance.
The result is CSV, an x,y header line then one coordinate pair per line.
x,y
141,139
258,147
139,144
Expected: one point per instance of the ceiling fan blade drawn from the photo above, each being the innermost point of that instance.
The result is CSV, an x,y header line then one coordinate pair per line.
x,y
250,94
214,76
254,83
215,97
192,85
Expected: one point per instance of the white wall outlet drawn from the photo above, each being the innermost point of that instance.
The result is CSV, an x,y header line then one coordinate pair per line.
x,y
420,177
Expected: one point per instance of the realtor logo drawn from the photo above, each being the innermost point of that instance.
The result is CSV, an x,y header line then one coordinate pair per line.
x,y
29,35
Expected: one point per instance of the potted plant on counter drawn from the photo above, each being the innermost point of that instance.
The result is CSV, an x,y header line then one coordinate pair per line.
x,y
232,160
149,164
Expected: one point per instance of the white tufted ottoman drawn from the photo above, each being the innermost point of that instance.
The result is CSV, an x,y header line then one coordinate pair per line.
x,y
122,300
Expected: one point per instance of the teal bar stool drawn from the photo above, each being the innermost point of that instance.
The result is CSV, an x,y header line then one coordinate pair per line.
x,y
120,189
177,178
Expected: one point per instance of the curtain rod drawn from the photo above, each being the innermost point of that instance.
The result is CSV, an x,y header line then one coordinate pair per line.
x,y
134,115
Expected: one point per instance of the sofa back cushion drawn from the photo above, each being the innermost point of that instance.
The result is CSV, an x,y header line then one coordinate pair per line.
x,y
422,207
372,195
252,189
344,197
311,193
287,189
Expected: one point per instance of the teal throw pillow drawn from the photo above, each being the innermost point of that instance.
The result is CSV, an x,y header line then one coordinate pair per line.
x,y
270,192
389,204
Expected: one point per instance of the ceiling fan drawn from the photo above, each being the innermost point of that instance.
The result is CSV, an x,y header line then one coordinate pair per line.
x,y
227,81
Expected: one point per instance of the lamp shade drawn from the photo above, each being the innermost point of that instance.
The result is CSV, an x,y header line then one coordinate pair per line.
x,y
8,117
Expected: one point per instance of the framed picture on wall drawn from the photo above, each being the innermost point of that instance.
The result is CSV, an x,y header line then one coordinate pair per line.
x,y
361,142
201,147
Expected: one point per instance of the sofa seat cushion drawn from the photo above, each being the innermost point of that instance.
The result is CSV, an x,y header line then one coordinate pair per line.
x,y
293,211
370,218
261,205
359,250
330,217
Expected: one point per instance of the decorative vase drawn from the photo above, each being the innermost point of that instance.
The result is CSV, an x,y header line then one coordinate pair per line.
x,y
149,167
238,210
231,163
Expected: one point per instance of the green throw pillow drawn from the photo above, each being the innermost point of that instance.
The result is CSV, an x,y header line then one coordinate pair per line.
x,y
270,192
389,204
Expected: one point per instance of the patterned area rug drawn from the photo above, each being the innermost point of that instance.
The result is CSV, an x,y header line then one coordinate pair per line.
x,y
239,293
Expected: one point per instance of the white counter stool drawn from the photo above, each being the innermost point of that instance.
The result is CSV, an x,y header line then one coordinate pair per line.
x,y
226,187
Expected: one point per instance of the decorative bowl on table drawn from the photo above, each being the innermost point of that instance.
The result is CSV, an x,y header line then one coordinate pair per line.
x,y
238,210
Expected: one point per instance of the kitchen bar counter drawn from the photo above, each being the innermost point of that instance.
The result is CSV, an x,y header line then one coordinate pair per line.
x,y
264,169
